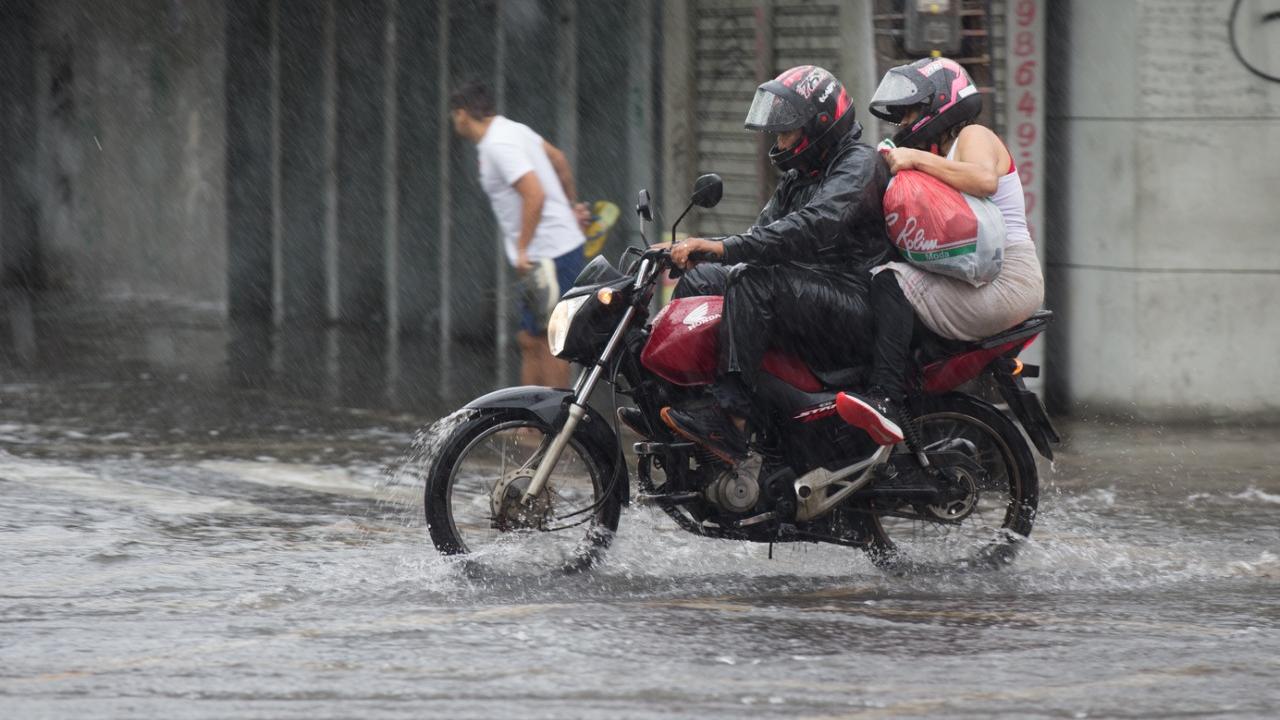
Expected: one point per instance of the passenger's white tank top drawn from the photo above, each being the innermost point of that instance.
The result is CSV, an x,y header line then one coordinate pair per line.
x,y
1009,198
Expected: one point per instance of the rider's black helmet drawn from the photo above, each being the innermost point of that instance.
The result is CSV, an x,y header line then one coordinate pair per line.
x,y
807,98
940,87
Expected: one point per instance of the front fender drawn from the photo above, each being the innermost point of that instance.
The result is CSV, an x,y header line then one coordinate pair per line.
x,y
550,405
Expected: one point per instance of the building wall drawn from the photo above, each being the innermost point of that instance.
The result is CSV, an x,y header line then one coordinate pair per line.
x,y
715,54
1162,162
1165,248
19,249
129,118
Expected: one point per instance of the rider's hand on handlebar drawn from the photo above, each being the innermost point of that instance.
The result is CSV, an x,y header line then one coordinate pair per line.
x,y
687,253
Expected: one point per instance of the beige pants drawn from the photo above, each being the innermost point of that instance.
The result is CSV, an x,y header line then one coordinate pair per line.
x,y
957,310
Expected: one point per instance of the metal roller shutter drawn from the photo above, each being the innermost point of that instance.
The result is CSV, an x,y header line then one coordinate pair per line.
x,y
739,44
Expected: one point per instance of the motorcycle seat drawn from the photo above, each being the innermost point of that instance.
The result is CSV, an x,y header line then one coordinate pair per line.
x,y
933,347
842,378
1023,330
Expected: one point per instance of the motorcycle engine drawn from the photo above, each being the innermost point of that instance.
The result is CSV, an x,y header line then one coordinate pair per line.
x,y
736,490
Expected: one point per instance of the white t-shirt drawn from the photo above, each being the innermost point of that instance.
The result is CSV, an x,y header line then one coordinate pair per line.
x,y
508,151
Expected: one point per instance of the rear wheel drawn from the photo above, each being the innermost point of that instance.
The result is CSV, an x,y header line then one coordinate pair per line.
x,y
475,487
996,491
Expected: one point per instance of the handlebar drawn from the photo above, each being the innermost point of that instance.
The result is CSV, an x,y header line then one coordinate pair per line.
x,y
662,256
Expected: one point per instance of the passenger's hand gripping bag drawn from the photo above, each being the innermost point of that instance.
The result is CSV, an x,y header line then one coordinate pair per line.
x,y
940,229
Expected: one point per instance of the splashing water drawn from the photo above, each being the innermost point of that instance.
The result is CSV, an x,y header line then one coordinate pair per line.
x,y
257,586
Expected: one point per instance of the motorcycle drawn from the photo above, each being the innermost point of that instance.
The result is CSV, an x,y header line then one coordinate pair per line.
x,y
541,472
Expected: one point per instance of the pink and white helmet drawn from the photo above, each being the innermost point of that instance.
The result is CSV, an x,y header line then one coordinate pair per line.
x,y
940,87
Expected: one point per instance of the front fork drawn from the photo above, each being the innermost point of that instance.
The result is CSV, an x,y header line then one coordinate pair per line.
x,y
577,409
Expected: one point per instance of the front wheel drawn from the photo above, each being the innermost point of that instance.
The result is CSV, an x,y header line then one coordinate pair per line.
x,y
995,504
474,493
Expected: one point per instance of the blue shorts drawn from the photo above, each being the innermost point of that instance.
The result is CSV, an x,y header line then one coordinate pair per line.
x,y
542,287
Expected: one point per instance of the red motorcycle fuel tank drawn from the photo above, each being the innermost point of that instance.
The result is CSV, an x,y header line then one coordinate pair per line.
x,y
682,342
683,345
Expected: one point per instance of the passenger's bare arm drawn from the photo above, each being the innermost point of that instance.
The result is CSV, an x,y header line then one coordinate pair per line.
x,y
976,169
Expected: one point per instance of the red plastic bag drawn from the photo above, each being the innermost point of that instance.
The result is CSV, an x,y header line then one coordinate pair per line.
x,y
943,230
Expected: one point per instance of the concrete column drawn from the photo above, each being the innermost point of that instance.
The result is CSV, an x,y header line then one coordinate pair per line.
x,y
766,174
302,167
444,183
858,61
1022,108
361,134
471,55
332,297
277,215
306,351
604,102
421,120
1054,246
567,80
641,141
21,270
248,161
502,306
679,142
19,226
390,177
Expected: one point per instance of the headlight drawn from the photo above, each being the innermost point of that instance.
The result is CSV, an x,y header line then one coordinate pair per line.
x,y
561,318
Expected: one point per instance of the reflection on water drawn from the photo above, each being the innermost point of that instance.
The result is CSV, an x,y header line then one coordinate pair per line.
x,y
357,367
349,366
20,320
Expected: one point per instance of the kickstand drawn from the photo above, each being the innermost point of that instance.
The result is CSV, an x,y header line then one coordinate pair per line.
x,y
770,549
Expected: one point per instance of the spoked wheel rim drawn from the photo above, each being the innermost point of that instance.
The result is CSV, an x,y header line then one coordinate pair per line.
x,y
486,485
985,519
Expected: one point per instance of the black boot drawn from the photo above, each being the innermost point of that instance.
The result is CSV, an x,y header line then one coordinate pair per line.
x,y
634,419
710,427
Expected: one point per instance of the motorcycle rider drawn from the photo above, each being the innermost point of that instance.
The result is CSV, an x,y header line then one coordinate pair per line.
x,y
799,276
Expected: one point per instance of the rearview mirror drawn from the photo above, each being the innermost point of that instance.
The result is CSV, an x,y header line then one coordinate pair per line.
x,y
642,207
707,191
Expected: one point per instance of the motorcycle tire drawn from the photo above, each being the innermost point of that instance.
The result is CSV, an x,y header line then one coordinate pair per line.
x,y
593,522
1008,478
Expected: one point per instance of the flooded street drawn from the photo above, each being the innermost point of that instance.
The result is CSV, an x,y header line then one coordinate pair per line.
x,y
174,548
255,255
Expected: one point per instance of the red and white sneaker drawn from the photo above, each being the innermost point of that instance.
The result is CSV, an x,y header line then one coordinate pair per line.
x,y
875,414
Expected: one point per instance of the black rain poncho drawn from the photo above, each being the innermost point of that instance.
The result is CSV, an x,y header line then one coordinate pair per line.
x,y
798,279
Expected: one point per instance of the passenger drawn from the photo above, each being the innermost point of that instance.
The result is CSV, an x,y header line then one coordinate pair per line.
x,y
799,276
934,101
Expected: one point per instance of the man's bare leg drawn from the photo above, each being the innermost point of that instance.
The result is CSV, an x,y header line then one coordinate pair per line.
x,y
530,361
537,365
555,372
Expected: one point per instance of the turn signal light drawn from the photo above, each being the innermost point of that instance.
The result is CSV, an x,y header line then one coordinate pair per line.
x,y
604,295
1017,367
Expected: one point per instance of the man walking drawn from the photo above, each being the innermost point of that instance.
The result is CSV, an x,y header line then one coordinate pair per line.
x,y
530,187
